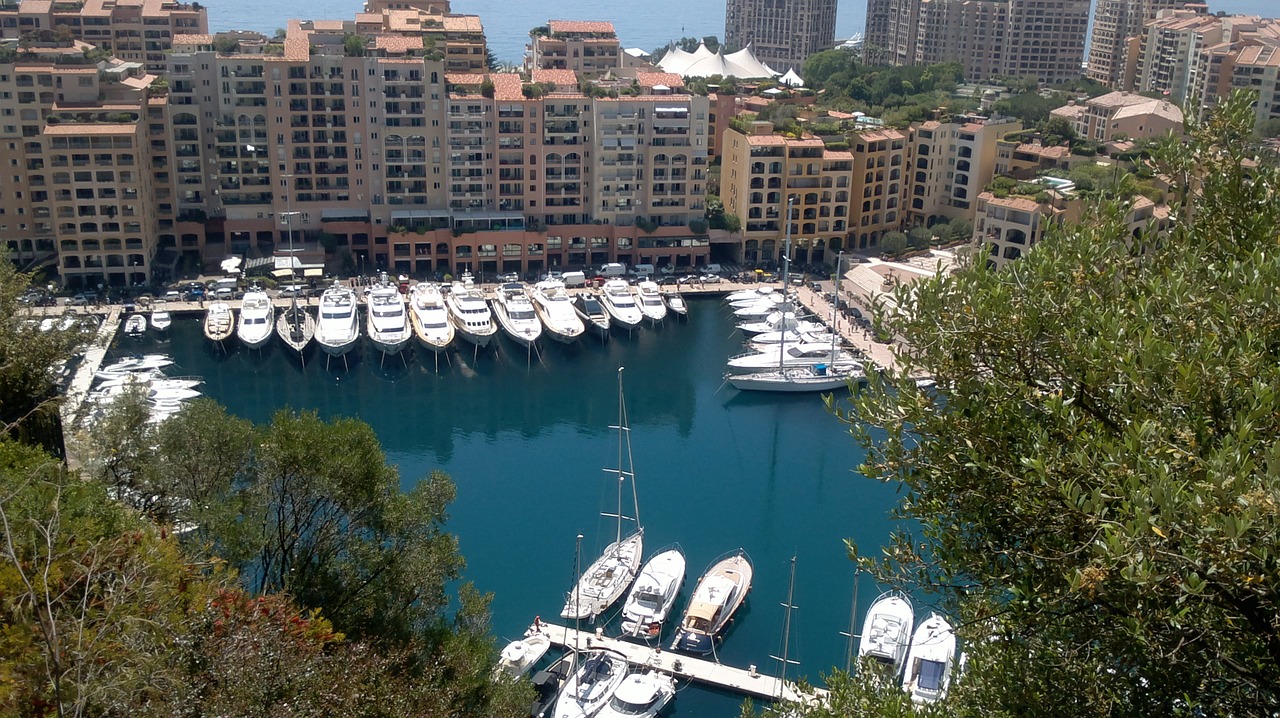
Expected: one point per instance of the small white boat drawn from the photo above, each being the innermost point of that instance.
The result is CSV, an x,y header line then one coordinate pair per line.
x,y
798,379
928,668
219,322
592,313
516,314
296,327
746,295
620,303
794,336
339,325
470,312
778,321
650,301
387,320
161,320
592,685
720,592
676,303
886,632
761,307
555,307
145,362
135,325
257,319
653,593
430,317
791,355
641,695
519,656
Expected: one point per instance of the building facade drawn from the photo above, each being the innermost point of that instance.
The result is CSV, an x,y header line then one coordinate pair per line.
x,y
589,48
950,164
781,33
1115,22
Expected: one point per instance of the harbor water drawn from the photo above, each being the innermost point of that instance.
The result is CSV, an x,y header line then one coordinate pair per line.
x,y
525,439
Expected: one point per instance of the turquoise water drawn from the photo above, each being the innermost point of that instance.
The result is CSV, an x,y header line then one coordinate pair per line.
x,y
526,443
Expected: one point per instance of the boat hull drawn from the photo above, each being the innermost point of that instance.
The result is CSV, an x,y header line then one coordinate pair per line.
x,y
606,579
794,382
720,592
296,328
480,340
390,346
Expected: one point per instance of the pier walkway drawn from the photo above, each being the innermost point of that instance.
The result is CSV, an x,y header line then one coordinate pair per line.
x,y
737,680
82,380
882,355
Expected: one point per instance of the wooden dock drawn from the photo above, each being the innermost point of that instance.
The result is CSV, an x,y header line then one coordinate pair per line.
x,y
737,680
82,379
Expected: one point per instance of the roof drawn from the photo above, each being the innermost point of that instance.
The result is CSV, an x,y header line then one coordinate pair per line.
x,y
653,79
1021,203
581,26
75,129
462,23
193,39
704,63
559,78
1055,152
507,86
1117,99
397,43
1152,108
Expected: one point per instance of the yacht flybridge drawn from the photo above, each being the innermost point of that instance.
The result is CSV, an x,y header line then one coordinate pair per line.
x,y
470,312
339,324
516,314
430,317
555,307
388,321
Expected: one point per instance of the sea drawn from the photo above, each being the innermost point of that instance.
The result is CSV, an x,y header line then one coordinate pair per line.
x,y
526,438
648,25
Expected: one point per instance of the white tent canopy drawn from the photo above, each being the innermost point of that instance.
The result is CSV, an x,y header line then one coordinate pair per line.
x,y
791,79
704,63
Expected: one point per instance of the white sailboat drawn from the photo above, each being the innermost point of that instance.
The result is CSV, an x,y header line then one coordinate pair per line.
x,y
161,319
219,322
591,686
653,594
620,303
470,312
555,307
387,321
650,301
791,356
928,668
886,632
296,326
609,576
641,695
720,592
516,314
430,317
339,324
256,319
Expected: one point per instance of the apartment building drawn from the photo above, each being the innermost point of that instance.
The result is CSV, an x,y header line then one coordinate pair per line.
x,y
1043,39
1026,160
1122,114
1114,23
130,30
879,185
781,33
1008,227
588,48
950,163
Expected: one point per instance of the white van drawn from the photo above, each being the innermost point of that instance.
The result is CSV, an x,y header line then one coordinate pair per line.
x,y
224,283
712,268
574,279
643,270
613,269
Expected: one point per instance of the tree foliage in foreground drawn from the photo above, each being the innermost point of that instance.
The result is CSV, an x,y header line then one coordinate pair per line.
x,y
1093,489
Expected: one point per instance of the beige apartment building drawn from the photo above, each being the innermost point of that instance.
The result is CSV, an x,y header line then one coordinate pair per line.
x,y
781,33
1043,39
131,30
950,164
879,185
1115,22
588,48
1008,227
1122,114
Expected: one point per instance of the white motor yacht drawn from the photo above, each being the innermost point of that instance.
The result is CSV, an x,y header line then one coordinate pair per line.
x,y
641,695
219,322
257,319
650,301
519,656
555,307
620,303
592,685
161,319
761,308
767,340
387,320
653,593
749,294
777,321
516,314
928,669
145,362
430,317
592,313
676,303
720,592
339,325
792,355
886,632
470,312
135,325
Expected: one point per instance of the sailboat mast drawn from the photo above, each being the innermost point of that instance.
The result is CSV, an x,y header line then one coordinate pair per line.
x,y
622,429
786,284
786,630
577,593
834,304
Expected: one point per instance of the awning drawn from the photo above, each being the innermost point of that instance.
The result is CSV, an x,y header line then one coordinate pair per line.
x,y
418,213
280,273
670,109
344,215
314,272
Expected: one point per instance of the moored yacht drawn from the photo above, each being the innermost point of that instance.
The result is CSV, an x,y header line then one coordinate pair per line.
x,y
778,321
620,303
519,656
653,593
676,303
219,322
135,325
886,632
592,313
641,695
296,327
650,301
257,317
798,379
791,355
720,592
470,312
592,685
161,319
555,307
746,295
430,317
927,673
516,314
387,320
339,324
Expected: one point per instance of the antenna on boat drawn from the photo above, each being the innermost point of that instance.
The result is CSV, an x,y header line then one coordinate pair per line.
x,y
786,632
853,616
577,594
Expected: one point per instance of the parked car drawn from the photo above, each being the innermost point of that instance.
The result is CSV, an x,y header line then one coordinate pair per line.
x,y
710,279
293,290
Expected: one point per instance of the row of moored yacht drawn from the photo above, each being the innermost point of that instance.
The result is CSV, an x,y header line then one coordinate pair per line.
x,y
922,659
438,314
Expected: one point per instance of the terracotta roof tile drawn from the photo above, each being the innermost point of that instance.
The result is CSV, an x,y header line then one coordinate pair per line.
x,y
507,86
1020,203
462,23
580,26
561,78
653,79
193,39
397,44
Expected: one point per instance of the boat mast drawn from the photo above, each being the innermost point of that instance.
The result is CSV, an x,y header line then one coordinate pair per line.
x,y
786,631
834,304
577,594
786,279
850,635
624,438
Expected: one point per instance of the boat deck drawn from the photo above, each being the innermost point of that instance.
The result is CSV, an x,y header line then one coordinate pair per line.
x,y
747,681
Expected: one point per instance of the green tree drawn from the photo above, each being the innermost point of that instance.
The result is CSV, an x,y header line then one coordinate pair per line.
x,y
1091,489
894,243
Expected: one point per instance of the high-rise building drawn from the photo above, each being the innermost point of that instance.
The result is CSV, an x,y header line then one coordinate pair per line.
x,y
1042,39
588,48
782,33
1114,23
